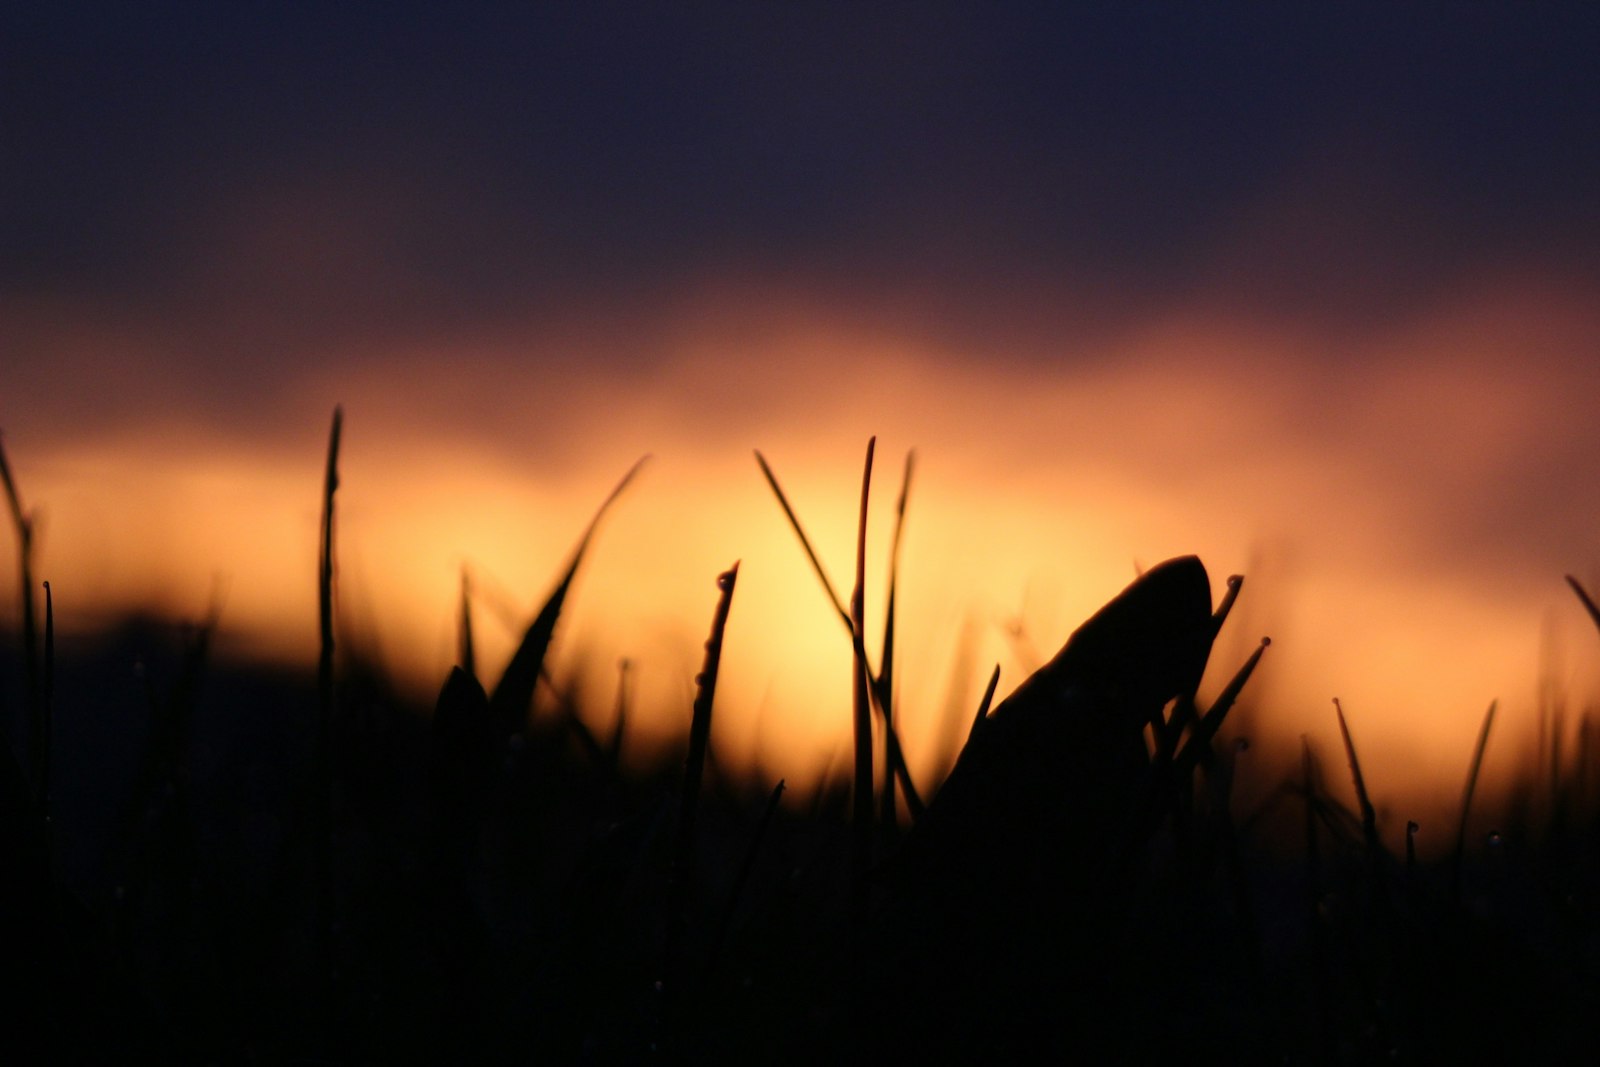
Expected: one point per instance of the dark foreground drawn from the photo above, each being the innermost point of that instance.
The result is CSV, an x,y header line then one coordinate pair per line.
x,y
466,886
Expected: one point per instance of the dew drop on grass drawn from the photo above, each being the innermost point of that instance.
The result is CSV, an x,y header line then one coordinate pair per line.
x,y
1412,826
725,580
700,679
1494,839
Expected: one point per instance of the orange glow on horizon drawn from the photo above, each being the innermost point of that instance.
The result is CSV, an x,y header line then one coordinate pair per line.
x,y
1339,493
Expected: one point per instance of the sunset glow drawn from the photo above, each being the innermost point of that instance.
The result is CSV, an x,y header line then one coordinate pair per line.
x,y
1367,505
1351,360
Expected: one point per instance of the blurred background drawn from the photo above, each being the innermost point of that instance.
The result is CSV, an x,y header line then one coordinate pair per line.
x,y
1314,294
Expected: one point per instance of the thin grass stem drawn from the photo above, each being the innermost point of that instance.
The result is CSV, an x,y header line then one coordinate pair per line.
x,y
885,678
882,698
325,705
861,841
689,805
511,702
1466,799
1369,816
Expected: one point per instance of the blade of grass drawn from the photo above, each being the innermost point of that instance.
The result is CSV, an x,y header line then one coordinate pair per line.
x,y
805,542
880,697
689,805
1198,748
512,698
1369,816
885,678
861,841
1466,799
325,706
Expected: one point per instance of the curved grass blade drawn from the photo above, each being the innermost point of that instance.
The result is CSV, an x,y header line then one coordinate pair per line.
x,y
513,695
805,542
880,694
885,678
1198,748
861,705
689,803
1369,816
1466,799
325,708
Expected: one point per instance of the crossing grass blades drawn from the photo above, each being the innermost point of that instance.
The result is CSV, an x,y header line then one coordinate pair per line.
x,y
211,862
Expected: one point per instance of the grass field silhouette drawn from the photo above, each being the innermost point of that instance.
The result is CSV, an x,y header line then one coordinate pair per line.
x,y
216,862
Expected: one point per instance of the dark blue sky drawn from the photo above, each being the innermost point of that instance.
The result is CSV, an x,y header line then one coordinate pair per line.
x,y
430,164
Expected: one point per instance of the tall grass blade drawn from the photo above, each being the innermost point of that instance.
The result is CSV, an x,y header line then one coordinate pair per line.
x,y
323,862
1369,816
861,841
1466,799
1198,747
881,696
689,806
885,678
512,698
805,542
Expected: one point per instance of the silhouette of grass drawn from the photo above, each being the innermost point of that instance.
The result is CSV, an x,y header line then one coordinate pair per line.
x,y
861,713
1369,815
323,776
503,891
1466,798
689,808
882,698
513,695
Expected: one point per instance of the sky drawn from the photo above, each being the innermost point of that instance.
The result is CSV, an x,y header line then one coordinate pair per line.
x,y
1310,293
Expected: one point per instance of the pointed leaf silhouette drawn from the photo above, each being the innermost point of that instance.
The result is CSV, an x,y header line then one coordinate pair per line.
x,y
1011,891
513,696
